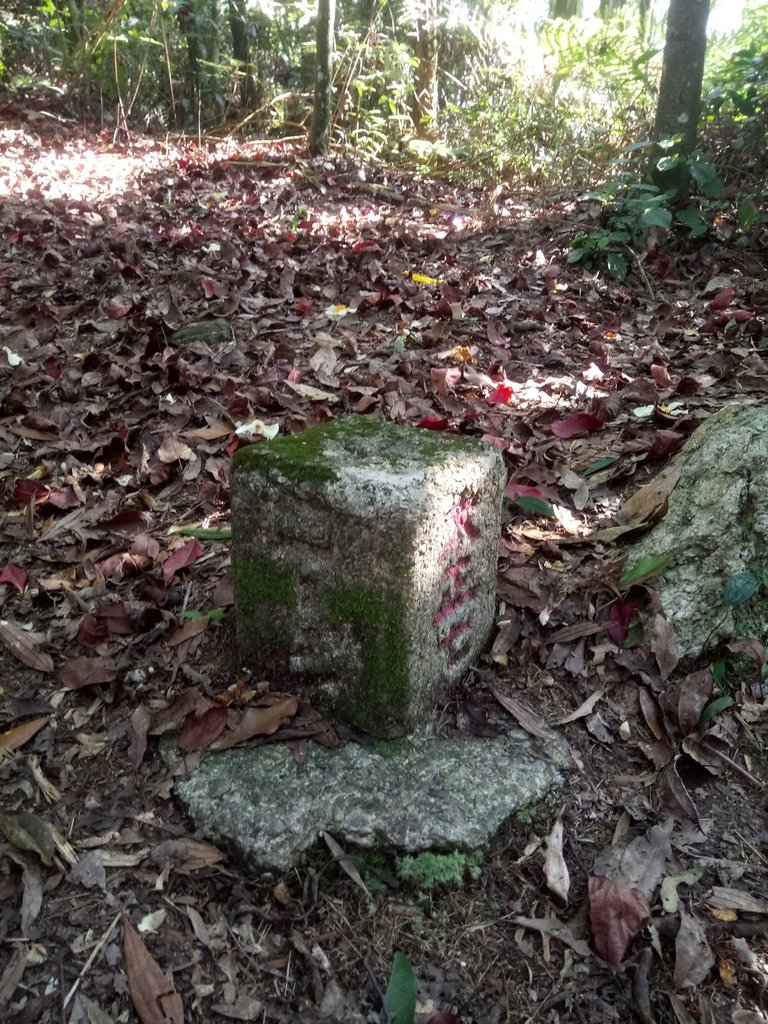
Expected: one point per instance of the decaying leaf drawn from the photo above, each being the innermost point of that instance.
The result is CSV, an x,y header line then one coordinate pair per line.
x,y
79,672
345,862
274,710
523,715
649,504
557,930
555,868
617,915
24,646
152,993
27,831
694,957
199,731
20,734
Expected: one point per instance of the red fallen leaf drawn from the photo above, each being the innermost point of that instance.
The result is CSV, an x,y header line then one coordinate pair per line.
x,y
661,375
430,423
620,617
152,993
186,555
92,632
578,425
13,574
80,672
131,520
305,307
617,915
513,491
208,287
137,747
117,620
116,309
665,442
25,491
65,498
52,368
364,243
199,731
501,395
723,299
742,315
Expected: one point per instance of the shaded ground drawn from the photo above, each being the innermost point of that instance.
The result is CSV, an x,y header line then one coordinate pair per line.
x,y
350,290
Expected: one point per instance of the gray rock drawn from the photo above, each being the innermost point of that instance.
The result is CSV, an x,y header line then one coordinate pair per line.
x,y
364,561
414,794
716,526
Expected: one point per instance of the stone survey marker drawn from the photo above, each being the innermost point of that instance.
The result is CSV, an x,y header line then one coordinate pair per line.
x,y
364,560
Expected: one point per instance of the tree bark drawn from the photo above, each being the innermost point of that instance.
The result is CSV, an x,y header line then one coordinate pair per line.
x,y
679,104
321,114
565,8
241,51
424,106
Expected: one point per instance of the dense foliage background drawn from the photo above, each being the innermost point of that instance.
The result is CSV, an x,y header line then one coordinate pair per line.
x,y
488,88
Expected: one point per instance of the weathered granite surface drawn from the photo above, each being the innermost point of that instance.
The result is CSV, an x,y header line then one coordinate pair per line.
x,y
364,559
413,793
716,526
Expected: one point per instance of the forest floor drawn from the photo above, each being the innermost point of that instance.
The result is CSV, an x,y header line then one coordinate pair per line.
x,y
350,288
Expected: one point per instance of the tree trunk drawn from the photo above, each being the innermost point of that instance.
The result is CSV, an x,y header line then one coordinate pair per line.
x,y
199,25
679,104
424,105
321,115
241,51
565,8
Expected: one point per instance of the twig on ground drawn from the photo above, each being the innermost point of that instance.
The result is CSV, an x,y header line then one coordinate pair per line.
x,y
87,965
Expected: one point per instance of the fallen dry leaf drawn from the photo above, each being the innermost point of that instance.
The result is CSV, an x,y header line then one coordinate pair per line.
x,y
152,993
21,734
23,646
694,957
274,710
617,915
79,672
555,868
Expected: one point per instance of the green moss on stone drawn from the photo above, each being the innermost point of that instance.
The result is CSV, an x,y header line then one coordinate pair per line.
x,y
266,599
379,699
390,749
299,459
304,458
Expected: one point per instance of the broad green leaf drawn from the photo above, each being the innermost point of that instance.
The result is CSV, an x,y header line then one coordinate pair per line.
x,y
713,189
536,506
599,464
656,217
740,587
693,220
747,215
617,265
714,709
400,997
703,173
645,569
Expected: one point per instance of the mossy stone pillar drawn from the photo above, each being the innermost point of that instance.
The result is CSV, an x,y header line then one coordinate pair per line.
x,y
364,560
